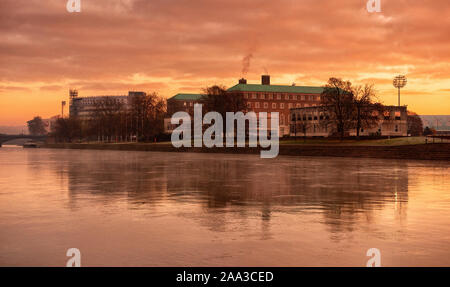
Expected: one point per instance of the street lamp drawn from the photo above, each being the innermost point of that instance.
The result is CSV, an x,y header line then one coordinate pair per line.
x,y
399,82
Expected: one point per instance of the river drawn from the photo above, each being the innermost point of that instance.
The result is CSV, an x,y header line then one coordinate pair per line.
x,y
123,208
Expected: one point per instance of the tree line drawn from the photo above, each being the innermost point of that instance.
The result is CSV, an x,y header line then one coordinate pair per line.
x,y
110,120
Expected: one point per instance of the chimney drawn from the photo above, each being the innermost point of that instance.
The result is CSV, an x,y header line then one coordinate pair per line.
x,y
265,80
243,81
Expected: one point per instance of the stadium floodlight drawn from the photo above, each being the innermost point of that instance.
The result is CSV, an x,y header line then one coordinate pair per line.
x,y
399,82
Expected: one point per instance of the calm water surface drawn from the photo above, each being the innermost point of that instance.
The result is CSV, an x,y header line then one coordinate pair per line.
x,y
173,209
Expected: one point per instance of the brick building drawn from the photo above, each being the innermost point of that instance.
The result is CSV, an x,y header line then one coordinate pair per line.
x,y
268,98
262,97
313,122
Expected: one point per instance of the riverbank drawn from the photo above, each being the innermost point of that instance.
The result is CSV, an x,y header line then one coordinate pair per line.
x,y
436,151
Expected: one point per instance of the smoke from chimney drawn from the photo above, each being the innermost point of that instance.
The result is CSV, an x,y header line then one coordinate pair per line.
x,y
246,63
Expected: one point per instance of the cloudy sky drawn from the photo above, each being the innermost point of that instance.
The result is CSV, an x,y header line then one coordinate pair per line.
x,y
172,46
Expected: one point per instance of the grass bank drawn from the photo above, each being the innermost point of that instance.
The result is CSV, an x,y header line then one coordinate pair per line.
x,y
401,148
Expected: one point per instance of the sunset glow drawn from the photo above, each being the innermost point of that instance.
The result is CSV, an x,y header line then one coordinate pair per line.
x,y
173,46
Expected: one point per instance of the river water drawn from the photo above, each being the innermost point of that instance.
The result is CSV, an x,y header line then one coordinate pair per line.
x,y
123,208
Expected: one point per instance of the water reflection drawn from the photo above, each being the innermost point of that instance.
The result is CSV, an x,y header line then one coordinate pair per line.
x,y
345,192
159,209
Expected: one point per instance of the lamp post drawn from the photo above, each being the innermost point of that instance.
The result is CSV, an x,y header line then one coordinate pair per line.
x,y
399,82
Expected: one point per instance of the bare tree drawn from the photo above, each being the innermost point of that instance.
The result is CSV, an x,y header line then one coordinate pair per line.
x,y
147,112
337,103
217,99
367,110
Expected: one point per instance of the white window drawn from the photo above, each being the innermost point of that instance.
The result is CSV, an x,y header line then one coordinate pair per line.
x,y
282,106
253,96
266,105
257,105
279,97
262,97
249,105
270,96
274,105
286,97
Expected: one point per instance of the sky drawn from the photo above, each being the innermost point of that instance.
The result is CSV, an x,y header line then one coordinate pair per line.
x,y
173,46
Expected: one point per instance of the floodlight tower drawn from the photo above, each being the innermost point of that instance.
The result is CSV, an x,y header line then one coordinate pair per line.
x,y
399,82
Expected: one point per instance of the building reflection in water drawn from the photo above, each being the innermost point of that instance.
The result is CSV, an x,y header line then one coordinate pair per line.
x,y
231,189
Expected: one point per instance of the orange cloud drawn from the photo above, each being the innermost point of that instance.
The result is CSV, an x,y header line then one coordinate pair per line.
x,y
172,46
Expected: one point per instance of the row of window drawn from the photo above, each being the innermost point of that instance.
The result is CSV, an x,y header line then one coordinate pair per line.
x,y
265,105
305,117
280,96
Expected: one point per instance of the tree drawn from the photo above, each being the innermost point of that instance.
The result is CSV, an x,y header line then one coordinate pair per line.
x,y
367,111
147,110
36,126
338,104
415,125
107,118
217,99
67,129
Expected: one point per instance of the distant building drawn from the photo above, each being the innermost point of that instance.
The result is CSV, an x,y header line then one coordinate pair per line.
x,y
84,107
437,122
314,122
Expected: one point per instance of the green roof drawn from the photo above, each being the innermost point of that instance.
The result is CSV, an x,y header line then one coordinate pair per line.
x,y
276,89
186,97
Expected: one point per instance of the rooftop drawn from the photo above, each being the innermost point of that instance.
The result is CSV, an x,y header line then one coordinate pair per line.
x,y
276,89
187,97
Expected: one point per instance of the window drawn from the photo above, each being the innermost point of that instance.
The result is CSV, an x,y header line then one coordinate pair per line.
x,y
290,106
249,105
297,105
266,105
303,98
294,97
278,96
286,97
185,104
274,105
262,96
257,105
282,106
270,96
253,96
